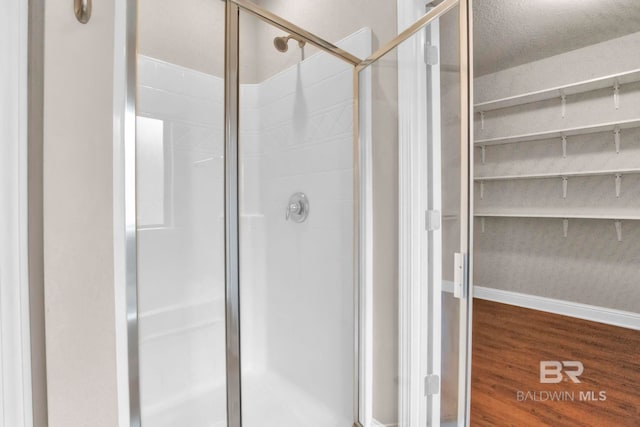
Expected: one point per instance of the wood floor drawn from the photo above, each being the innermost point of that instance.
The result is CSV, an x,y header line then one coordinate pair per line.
x,y
508,344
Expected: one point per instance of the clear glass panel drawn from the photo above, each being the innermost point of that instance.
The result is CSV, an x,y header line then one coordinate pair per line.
x,y
297,279
180,192
452,394
416,168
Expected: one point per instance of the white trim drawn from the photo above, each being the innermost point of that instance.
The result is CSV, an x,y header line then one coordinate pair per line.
x,y
432,180
15,351
119,249
593,313
413,273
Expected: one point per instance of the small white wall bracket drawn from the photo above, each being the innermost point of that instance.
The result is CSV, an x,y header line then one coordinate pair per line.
x,y
565,227
616,139
431,385
616,95
433,220
618,184
565,186
483,154
564,146
563,105
618,225
482,120
431,54
481,190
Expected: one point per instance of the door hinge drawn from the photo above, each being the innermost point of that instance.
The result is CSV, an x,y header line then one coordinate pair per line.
x,y
431,385
459,275
433,220
431,54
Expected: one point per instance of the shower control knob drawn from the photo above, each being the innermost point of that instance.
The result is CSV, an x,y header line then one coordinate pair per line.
x,y
298,208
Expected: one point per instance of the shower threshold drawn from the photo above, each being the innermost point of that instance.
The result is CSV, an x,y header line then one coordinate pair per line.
x,y
269,400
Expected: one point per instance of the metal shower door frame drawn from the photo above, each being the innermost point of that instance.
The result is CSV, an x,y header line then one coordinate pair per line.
x,y
233,8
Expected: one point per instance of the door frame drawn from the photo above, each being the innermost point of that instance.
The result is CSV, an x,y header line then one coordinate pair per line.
x,y
16,406
413,254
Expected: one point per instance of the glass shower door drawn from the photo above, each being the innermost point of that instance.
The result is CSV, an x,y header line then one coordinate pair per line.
x,y
296,175
418,328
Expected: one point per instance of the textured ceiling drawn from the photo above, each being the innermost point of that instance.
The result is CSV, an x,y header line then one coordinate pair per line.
x,y
508,33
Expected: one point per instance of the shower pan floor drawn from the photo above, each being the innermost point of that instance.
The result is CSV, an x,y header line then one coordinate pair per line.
x,y
269,400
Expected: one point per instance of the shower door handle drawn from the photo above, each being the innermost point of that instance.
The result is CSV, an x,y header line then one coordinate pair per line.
x,y
459,275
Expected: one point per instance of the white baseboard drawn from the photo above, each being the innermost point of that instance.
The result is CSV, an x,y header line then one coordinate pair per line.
x,y
608,316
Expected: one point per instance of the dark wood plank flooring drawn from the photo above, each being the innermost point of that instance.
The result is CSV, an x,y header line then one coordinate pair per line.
x,y
508,344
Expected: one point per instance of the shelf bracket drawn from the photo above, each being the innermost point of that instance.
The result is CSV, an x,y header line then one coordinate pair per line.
x,y
618,225
616,138
618,184
616,95
483,154
565,227
481,190
564,146
563,101
565,185
482,224
482,120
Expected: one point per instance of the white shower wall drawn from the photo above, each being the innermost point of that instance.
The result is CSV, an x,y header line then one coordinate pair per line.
x,y
296,279
180,263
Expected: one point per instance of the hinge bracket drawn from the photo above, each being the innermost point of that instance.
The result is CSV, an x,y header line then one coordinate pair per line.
x,y
433,220
431,385
431,54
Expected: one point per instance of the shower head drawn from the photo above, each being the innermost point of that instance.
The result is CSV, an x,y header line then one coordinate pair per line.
x,y
282,43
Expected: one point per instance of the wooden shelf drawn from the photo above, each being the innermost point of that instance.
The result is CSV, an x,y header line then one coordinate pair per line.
x,y
560,215
582,130
557,92
612,172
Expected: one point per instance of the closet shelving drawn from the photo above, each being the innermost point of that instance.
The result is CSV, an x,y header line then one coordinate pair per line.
x,y
543,175
581,130
613,81
565,214
512,213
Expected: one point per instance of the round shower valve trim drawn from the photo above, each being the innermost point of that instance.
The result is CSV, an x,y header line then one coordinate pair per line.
x,y
297,208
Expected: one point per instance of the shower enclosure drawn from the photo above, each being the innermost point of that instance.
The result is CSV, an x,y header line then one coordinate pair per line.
x,y
298,229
